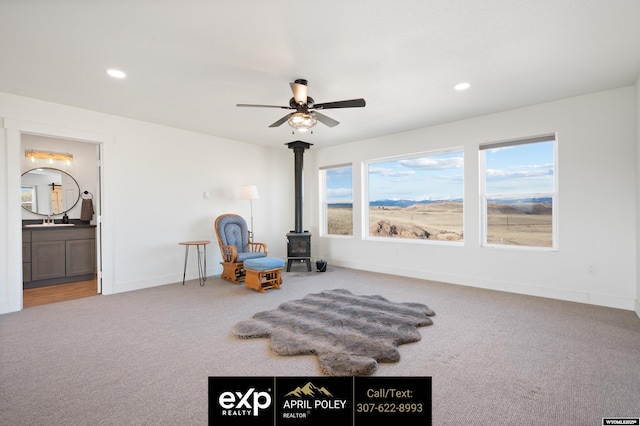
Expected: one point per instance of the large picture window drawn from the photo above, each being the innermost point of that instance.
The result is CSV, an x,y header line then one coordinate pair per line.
x,y
519,192
418,197
336,189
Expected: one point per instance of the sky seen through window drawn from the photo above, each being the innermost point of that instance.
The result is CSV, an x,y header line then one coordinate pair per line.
x,y
519,169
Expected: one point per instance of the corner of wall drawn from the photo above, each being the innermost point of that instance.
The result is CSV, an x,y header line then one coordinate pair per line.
x,y
637,304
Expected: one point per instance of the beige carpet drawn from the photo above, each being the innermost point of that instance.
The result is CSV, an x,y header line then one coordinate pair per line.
x,y
144,357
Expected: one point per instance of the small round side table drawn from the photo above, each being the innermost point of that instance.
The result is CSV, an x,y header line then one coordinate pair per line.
x,y
202,269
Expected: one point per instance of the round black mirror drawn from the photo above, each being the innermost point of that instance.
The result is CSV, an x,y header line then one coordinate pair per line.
x,y
48,192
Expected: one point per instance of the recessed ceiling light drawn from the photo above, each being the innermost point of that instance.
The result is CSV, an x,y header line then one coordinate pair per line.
x,y
462,86
116,73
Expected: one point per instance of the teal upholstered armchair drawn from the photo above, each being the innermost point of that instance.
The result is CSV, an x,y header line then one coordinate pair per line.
x,y
235,246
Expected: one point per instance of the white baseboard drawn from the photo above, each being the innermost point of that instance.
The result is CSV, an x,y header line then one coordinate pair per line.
x,y
4,307
163,280
507,286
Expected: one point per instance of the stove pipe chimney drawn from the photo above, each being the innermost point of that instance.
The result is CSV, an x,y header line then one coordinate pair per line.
x,y
298,150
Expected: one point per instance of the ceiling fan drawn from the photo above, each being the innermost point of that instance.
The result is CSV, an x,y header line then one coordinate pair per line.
x,y
306,112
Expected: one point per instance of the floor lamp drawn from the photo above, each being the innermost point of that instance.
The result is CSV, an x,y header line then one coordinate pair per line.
x,y
249,192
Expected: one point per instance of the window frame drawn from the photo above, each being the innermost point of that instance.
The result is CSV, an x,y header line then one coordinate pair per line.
x,y
484,197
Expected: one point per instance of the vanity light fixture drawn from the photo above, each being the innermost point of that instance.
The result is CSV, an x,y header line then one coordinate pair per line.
x,y
50,156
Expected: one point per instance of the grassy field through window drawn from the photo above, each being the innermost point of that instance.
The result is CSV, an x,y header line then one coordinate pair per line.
x,y
434,221
525,224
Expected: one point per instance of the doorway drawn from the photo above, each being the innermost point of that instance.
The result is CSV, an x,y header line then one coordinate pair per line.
x,y
79,174
103,144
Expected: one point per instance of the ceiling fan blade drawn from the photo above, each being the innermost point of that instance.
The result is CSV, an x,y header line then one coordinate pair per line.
x,y
352,103
282,120
327,121
299,89
263,106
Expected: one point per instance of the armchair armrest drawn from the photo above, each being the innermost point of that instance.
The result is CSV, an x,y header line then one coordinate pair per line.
x,y
229,254
258,247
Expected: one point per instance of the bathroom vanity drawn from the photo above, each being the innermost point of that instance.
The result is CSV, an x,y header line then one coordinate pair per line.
x,y
55,251
58,254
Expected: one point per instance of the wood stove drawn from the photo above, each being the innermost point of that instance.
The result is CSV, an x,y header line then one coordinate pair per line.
x,y
298,240
298,248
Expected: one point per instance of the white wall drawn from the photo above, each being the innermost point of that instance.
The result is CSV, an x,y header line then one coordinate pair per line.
x,y
637,260
155,177
597,204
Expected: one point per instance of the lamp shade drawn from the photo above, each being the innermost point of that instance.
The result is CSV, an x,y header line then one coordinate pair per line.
x,y
249,192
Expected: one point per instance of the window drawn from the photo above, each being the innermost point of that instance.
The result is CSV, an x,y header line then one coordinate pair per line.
x,y
336,189
418,197
29,200
519,192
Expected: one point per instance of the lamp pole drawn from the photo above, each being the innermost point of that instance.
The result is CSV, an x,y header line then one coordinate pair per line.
x,y
251,206
249,192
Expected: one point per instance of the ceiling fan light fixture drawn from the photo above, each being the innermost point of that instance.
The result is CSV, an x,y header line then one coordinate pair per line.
x,y
306,114
302,121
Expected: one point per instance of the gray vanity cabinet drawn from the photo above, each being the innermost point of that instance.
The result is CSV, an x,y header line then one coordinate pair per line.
x,y
59,255
26,256
81,257
47,259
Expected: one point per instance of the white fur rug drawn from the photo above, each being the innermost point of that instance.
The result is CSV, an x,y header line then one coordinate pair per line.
x,y
349,333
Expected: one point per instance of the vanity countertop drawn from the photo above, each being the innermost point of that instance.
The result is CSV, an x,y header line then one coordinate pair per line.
x,y
31,225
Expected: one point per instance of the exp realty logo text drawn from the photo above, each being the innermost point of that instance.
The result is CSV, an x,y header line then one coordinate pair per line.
x,y
241,401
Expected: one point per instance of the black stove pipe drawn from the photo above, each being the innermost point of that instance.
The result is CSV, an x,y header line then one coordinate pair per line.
x,y
298,150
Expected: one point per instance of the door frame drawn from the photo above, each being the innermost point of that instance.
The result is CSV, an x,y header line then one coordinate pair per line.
x,y
104,220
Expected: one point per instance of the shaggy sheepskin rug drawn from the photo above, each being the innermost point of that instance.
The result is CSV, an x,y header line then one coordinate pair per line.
x,y
349,333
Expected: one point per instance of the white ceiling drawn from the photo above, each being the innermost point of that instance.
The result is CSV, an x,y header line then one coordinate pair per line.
x,y
190,62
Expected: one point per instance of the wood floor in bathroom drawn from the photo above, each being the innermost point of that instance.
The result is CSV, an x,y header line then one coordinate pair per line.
x,y
58,293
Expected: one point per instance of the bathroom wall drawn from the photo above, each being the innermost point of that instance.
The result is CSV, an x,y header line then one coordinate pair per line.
x,y
83,168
